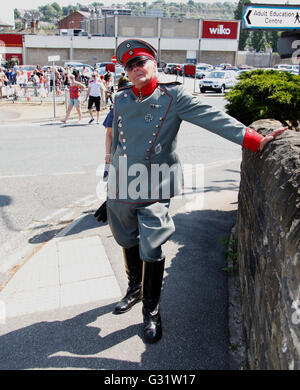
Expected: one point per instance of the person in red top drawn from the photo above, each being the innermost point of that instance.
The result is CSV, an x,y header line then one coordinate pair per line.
x,y
74,91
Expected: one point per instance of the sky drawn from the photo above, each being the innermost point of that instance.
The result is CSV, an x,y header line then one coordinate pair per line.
x,y
34,4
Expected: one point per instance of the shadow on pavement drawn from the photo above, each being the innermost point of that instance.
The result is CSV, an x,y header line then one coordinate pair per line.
x,y
193,308
34,346
4,202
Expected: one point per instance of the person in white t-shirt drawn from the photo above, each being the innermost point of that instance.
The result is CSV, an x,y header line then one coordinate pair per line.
x,y
95,93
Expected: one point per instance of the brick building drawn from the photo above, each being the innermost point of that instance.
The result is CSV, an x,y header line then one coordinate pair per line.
x,y
73,20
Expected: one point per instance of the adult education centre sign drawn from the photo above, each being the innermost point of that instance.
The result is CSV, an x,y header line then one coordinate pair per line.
x,y
275,17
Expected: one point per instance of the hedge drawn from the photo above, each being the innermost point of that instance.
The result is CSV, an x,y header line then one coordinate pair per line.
x,y
265,94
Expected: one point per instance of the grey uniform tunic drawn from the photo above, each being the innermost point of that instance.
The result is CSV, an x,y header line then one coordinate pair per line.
x,y
144,144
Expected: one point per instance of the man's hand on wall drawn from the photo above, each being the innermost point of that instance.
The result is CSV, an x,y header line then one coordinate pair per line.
x,y
270,137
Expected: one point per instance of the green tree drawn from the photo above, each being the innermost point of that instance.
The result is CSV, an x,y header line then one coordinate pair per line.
x,y
258,40
57,8
244,34
17,13
272,38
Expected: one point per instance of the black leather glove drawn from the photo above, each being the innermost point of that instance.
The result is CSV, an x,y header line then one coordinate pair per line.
x,y
101,213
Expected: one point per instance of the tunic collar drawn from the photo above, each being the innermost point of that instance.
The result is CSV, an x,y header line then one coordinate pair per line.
x,y
147,90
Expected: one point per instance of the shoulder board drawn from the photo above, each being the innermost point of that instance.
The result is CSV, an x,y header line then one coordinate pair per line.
x,y
170,83
125,87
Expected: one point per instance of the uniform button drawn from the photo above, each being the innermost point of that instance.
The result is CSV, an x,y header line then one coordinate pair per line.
x,y
148,150
162,93
121,132
124,140
160,118
124,147
154,134
147,158
119,118
150,142
120,125
124,155
156,126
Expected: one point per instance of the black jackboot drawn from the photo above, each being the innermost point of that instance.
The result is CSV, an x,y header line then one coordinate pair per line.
x,y
133,267
152,283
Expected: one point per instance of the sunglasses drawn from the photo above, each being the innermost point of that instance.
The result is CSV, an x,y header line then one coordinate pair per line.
x,y
138,64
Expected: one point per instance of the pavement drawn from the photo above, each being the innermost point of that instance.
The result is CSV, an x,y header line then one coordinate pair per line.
x,y
56,308
37,111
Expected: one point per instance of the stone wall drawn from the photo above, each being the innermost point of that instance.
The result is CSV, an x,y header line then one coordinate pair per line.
x,y
268,229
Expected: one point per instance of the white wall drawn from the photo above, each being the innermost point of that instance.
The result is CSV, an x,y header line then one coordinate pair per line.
x,y
219,44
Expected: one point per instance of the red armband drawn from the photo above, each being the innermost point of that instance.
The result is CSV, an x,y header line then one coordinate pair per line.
x,y
252,139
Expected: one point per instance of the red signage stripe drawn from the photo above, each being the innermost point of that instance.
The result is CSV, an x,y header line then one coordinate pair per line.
x,y
219,29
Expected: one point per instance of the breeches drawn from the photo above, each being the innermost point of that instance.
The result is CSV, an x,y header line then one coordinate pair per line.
x,y
146,225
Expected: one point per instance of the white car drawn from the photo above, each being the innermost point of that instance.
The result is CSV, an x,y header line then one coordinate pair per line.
x,y
168,68
218,81
88,69
202,70
103,66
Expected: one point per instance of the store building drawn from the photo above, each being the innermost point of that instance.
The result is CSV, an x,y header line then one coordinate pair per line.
x,y
11,47
177,40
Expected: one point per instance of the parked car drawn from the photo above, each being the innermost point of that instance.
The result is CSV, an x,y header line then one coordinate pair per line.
x,y
225,65
72,63
104,67
218,81
283,66
202,70
89,69
239,72
169,68
28,68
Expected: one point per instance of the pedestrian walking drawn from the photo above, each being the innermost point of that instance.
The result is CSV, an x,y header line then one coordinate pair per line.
x,y
2,82
95,94
74,95
147,118
109,87
36,82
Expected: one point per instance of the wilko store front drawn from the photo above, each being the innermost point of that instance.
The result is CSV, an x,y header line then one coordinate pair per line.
x,y
219,41
11,47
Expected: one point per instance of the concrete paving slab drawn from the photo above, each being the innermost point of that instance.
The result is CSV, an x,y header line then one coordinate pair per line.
x,y
64,272
82,259
92,290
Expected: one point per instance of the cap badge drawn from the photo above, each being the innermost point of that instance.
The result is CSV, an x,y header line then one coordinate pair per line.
x,y
128,45
131,52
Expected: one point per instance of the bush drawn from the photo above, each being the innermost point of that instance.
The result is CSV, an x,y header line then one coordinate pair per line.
x,y
266,94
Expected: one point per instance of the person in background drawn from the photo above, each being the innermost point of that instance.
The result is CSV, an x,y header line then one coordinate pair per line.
x,y
123,80
95,94
2,80
85,76
66,77
109,87
74,95
77,75
36,82
46,81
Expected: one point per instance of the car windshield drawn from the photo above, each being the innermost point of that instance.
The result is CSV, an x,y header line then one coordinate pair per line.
x,y
28,67
216,75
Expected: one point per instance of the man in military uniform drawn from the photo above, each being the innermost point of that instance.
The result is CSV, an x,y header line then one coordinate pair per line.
x,y
147,117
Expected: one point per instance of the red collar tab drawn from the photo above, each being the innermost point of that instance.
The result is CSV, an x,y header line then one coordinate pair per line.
x,y
147,90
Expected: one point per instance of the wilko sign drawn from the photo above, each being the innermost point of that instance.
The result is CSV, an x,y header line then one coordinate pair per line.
x,y
219,29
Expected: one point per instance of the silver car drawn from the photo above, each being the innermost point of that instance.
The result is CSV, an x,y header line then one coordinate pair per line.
x,y
218,81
